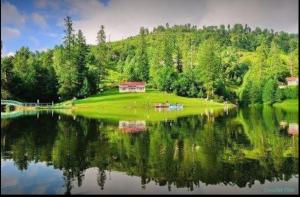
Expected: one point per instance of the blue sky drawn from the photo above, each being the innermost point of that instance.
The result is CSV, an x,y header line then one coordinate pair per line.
x,y
38,24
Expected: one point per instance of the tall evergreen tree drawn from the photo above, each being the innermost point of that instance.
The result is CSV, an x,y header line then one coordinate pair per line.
x,y
209,66
65,64
101,56
168,50
101,37
69,36
142,57
179,65
269,92
81,56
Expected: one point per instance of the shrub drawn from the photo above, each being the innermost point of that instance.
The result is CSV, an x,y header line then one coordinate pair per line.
x,y
291,92
279,95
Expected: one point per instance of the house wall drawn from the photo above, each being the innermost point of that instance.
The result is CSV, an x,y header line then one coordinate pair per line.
x,y
122,89
290,83
132,89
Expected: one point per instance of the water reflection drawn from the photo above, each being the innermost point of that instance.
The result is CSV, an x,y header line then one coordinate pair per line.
x,y
240,150
132,126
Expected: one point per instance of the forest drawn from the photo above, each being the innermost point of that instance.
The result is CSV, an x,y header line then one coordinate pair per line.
x,y
223,63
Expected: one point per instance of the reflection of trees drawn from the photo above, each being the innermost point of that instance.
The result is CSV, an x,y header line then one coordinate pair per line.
x,y
69,150
24,142
237,149
270,147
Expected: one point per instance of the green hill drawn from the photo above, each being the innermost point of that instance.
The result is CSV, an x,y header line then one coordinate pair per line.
x,y
232,63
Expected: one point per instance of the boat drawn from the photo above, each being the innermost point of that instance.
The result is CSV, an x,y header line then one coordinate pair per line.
x,y
170,106
175,106
160,105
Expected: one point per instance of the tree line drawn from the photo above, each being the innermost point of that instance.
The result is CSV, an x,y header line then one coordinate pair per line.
x,y
221,63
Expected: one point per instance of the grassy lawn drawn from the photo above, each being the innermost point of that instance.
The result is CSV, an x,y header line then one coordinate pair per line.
x,y
133,106
289,105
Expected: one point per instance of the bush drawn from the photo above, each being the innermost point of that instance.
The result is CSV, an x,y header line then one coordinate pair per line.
x,y
219,99
279,95
187,85
255,93
291,92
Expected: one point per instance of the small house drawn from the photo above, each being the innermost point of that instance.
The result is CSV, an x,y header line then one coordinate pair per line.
x,y
132,86
292,81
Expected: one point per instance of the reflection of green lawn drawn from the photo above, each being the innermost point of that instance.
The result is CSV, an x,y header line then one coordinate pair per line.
x,y
290,105
114,105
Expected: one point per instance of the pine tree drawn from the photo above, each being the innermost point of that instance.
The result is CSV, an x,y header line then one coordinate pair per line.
x,y
142,57
69,36
168,59
208,66
101,37
65,64
269,91
179,66
81,55
101,56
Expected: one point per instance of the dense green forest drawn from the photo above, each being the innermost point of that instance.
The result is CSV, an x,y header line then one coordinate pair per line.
x,y
234,63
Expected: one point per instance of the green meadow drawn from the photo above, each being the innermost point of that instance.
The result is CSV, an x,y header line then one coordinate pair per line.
x,y
133,106
289,105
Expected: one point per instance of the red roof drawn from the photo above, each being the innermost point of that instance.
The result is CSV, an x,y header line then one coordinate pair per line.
x,y
292,78
132,83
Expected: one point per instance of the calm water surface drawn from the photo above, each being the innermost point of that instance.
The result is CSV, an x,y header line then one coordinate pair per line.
x,y
242,151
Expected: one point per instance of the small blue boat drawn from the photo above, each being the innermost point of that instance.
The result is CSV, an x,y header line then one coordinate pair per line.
x,y
175,106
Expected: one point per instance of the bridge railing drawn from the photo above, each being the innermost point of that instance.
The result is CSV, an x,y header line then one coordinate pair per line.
x,y
37,104
17,103
10,102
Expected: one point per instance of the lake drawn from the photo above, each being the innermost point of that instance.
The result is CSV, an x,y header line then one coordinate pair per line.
x,y
246,151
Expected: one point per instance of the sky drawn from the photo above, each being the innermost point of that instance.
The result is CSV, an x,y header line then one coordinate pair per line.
x,y
39,24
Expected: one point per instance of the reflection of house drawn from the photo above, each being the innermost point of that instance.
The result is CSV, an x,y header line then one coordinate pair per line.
x,y
132,86
293,129
292,81
132,126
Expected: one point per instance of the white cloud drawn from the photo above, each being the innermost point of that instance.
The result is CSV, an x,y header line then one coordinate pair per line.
x,y
10,15
10,54
39,20
272,14
7,54
123,18
9,33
